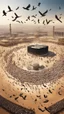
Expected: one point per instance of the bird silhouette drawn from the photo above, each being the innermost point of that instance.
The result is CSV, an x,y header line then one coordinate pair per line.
x,y
28,18
44,22
18,21
50,91
46,101
42,110
9,9
12,16
39,4
50,9
58,18
48,21
43,14
33,21
16,16
59,8
34,15
27,8
38,21
4,13
45,96
17,8
22,22
34,8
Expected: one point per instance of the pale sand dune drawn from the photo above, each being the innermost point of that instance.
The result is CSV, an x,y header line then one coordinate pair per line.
x,y
10,86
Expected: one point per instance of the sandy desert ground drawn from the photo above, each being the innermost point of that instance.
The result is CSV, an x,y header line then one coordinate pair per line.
x,y
22,85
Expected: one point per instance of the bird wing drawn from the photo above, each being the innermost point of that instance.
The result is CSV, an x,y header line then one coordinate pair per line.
x,y
14,19
40,13
17,8
9,7
28,6
39,4
18,21
16,15
45,12
58,18
4,13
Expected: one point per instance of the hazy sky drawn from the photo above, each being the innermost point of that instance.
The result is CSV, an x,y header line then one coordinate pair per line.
x,y
45,4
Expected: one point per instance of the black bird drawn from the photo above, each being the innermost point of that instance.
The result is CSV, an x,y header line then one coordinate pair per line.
x,y
16,16
42,110
48,21
38,21
39,4
45,96
34,15
27,8
46,101
34,8
12,17
44,24
22,22
46,109
18,21
49,9
17,8
9,9
28,17
16,98
59,8
4,13
24,97
34,21
43,14
58,18
50,91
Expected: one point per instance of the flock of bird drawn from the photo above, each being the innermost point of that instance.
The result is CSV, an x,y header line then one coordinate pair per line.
x,y
46,21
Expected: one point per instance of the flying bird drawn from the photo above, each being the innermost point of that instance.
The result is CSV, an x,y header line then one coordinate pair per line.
x,y
50,9
39,4
34,21
4,13
34,8
43,14
12,16
16,16
58,18
48,21
28,18
42,110
38,21
18,21
22,22
9,9
17,8
59,8
27,8
34,15
44,22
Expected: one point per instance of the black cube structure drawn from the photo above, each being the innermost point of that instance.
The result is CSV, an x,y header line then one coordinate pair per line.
x,y
37,49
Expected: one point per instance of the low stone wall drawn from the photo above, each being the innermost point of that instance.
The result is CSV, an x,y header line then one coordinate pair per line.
x,y
13,108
